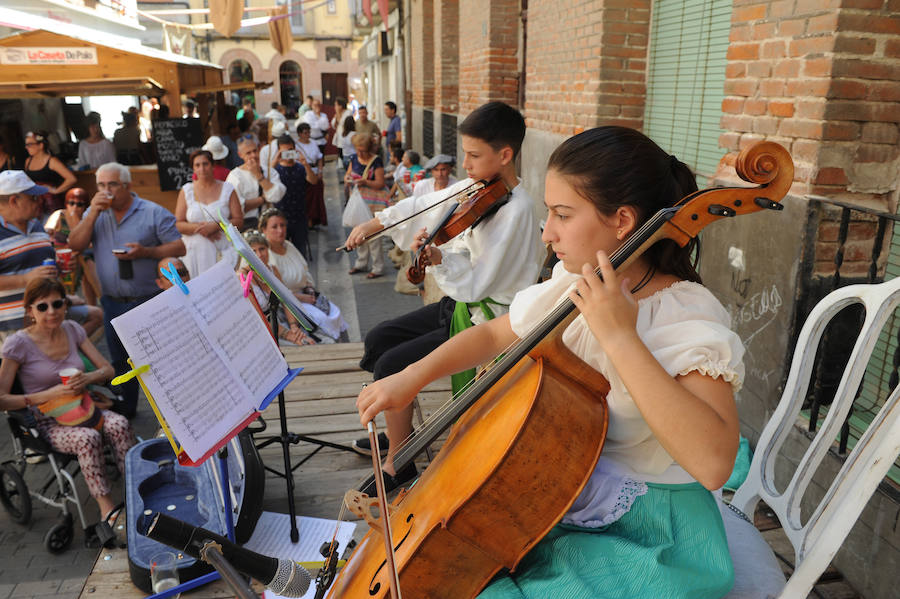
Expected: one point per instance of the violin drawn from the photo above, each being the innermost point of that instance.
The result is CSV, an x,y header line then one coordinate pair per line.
x,y
532,427
481,200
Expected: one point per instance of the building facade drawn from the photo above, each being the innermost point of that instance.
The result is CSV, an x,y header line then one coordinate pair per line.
x,y
705,79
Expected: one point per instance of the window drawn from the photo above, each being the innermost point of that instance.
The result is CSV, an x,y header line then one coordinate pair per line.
x,y
686,79
332,53
296,10
332,7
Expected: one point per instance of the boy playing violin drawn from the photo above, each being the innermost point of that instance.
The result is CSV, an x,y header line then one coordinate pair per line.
x,y
479,271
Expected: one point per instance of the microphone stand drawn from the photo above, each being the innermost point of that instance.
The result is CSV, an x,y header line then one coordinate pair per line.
x,y
287,438
211,553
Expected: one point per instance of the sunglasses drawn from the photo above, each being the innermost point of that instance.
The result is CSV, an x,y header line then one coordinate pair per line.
x,y
82,204
57,304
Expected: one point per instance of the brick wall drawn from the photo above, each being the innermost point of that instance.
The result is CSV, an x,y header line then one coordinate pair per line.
x,y
586,64
421,50
822,77
446,56
488,48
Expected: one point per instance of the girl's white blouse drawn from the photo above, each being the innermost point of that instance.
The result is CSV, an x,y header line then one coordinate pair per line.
x,y
686,329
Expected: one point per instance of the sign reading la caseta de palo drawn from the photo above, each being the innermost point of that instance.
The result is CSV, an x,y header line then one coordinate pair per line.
x,y
38,56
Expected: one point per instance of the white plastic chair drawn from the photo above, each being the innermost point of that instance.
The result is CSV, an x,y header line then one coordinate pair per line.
x,y
815,542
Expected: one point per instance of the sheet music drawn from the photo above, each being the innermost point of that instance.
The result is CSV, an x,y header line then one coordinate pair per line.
x,y
204,378
272,537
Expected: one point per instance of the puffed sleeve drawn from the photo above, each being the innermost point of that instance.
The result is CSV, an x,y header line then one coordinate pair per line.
x,y
274,194
691,332
14,348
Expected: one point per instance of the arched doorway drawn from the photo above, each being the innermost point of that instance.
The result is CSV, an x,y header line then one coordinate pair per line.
x,y
291,80
240,70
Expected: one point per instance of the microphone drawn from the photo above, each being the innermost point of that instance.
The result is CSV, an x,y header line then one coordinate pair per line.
x,y
281,576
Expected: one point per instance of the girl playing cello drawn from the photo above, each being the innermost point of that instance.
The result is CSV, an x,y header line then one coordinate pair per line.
x,y
646,524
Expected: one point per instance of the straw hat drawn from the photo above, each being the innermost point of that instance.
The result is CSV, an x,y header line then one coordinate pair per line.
x,y
215,147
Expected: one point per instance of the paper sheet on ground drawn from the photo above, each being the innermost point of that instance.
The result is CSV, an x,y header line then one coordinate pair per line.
x,y
272,537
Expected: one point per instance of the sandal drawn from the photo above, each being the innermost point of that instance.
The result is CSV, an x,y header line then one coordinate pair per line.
x,y
355,270
114,514
374,275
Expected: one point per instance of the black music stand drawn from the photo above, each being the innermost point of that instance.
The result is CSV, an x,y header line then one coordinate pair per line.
x,y
287,438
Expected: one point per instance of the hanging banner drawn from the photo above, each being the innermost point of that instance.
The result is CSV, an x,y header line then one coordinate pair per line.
x,y
48,55
178,41
226,15
280,29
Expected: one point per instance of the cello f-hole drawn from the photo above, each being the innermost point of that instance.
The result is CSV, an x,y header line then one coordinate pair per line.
x,y
374,587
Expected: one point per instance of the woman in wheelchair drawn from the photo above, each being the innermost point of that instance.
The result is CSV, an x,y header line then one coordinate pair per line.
x,y
36,354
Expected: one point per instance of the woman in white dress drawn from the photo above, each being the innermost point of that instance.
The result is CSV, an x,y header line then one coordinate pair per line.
x,y
294,273
196,212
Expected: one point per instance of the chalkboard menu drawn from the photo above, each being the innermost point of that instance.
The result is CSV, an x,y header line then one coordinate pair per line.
x,y
175,140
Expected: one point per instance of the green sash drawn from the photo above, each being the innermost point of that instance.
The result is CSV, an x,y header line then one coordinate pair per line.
x,y
462,320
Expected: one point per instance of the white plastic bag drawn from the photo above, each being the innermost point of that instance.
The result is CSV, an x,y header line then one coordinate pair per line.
x,y
356,212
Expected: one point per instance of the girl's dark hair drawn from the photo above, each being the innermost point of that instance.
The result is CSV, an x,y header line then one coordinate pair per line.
x,y
196,154
349,124
612,167
41,288
397,153
286,140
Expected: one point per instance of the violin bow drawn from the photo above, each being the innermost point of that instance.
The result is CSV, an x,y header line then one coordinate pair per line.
x,y
385,514
476,185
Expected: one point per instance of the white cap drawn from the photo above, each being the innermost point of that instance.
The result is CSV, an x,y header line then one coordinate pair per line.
x,y
215,147
18,182
439,159
279,128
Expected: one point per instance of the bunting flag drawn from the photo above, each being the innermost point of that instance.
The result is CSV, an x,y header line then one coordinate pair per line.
x,y
177,41
280,29
383,10
226,15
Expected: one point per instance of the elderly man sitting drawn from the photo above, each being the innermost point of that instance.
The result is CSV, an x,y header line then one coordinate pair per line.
x,y
252,185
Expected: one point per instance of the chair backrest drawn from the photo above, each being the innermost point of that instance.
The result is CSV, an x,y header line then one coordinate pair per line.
x,y
816,542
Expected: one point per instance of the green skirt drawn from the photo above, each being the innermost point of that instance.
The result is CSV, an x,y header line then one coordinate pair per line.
x,y
671,544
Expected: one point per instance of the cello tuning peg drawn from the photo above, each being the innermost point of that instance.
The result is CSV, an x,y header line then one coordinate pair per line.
x,y
720,210
768,204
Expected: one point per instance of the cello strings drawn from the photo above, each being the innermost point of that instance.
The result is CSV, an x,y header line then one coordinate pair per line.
x,y
563,307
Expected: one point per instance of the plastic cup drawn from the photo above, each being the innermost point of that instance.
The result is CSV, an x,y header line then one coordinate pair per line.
x,y
64,259
163,572
66,373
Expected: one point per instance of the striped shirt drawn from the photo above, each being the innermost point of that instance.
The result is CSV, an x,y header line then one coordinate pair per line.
x,y
20,253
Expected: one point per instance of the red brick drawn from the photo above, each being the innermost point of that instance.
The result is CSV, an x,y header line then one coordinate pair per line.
x,y
791,27
743,51
787,68
760,69
880,153
808,87
840,130
866,69
735,69
734,105
885,133
817,67
729,140
831,176
847,88
773,49
811,46
800,128
743,14
850,110
854,45
826,23
892,48
740,87
810,109
868,23
805,150
781,108
739,33
765,125
763,31
868,4
755,106
736,122
771,87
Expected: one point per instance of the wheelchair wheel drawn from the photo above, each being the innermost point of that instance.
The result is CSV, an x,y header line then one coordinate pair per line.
x,y
60,536
14,494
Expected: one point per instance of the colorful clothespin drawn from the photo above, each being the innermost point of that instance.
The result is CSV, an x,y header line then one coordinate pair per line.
x,y
246,282
124,378
171,273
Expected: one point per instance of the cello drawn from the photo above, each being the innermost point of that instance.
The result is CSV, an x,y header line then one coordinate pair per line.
x,y
463,521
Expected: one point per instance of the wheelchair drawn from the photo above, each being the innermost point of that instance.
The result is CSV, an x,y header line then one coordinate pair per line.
x,y
58,489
